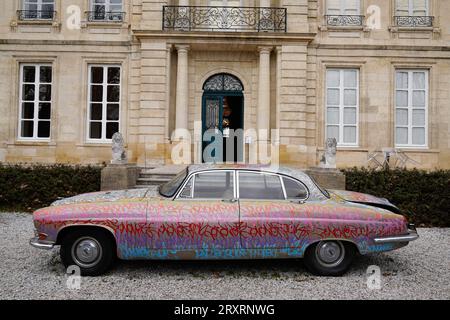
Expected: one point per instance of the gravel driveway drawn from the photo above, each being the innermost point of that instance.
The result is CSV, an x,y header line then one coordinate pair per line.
x,y
419,271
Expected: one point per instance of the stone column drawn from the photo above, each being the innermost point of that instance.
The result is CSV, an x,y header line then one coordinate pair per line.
x,y
168,83
182,95
263,110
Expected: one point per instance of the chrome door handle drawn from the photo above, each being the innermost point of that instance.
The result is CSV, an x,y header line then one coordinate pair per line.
x,y
230,200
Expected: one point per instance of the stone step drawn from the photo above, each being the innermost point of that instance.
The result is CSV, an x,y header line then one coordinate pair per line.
x,y
156,176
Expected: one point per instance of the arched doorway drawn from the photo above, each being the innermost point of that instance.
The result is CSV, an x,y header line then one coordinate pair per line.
x,y
223,119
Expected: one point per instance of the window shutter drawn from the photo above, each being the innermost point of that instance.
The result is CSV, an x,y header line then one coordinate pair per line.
x,y
420,8
352,7
402,8
333,7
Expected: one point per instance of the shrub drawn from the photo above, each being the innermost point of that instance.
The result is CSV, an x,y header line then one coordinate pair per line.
x,y
423,197
29,187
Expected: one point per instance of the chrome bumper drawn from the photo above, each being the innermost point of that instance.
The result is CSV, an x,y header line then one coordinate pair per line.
x,y
411,236
41,244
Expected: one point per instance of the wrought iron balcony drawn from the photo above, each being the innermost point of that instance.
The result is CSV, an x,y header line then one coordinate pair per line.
x,y
344,20
102,16
414,21
206,18
24,15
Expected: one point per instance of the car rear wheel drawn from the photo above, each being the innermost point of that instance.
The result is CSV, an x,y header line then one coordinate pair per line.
x,y
329,258
91,250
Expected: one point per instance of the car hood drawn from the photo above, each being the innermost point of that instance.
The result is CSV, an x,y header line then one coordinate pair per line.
x,y
110,196
364,198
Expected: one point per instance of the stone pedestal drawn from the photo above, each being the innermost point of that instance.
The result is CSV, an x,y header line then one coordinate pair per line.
x,y
119,177
328,178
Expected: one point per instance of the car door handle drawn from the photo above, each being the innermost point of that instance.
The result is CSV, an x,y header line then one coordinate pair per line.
x,y
298,201
230,200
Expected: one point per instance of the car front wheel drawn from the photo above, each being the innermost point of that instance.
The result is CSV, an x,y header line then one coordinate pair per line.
x,y
92,251
329,258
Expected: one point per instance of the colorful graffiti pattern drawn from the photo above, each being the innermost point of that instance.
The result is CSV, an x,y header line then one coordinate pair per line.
x,y
158,228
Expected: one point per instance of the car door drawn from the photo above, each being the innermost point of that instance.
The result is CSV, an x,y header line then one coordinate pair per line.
x,y
203,218
271,214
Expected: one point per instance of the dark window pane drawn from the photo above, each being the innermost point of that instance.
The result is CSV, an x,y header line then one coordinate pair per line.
x,y
46,74
44,129
96,75
96,111
260,186
27,129
29,74
27,110
113,93
294,189
96,130
97,93
45,92
113,75
113,112
111,129
44,110
28,92
187,191
214,185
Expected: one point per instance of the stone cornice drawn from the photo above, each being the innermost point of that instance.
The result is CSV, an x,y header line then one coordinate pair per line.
x,y
262,37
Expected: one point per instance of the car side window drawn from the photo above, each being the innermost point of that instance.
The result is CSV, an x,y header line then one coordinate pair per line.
x,y
260,186
294,189
214,185
187,191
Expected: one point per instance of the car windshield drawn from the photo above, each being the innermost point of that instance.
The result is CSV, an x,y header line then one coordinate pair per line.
x,y
170,188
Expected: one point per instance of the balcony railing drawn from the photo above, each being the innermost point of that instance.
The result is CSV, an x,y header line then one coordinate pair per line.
x,y
99,16
344,20
203,18
45,15
414,21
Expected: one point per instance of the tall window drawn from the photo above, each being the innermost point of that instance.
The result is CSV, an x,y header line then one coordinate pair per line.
x,y
342,104
35,101
38,9
104,101
411,8
343,7
411,107
225,3
110,10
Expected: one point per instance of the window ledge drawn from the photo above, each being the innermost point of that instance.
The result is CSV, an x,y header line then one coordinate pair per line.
x,y
341,28
106,24
417,150
413,29
33,143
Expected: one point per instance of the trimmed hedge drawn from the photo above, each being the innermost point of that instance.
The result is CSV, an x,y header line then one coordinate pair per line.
x,y
29,187
424,197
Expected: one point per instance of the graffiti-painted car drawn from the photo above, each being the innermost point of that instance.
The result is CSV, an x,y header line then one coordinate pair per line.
x,y
223,212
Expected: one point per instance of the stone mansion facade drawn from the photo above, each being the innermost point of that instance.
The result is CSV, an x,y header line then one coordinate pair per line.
x,y
371,73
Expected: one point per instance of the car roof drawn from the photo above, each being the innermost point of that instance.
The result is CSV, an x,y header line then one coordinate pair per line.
x,y
284,170
252,167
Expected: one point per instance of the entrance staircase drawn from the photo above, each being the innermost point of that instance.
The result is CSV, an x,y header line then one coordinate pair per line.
x,y
157,176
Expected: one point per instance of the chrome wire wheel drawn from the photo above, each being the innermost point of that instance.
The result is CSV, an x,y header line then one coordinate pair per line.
x,y
330,253
86,252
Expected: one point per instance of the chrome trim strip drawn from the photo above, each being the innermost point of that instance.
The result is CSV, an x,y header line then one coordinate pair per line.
x,y
39,244
413,235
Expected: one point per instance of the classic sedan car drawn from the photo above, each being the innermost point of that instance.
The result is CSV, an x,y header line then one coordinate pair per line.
x,y
223,212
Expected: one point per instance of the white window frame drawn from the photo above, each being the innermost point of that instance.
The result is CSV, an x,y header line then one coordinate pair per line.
x,y
411,108
411,8
104,102
39,4
343,8
341,105
224,3
36,101
107,5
